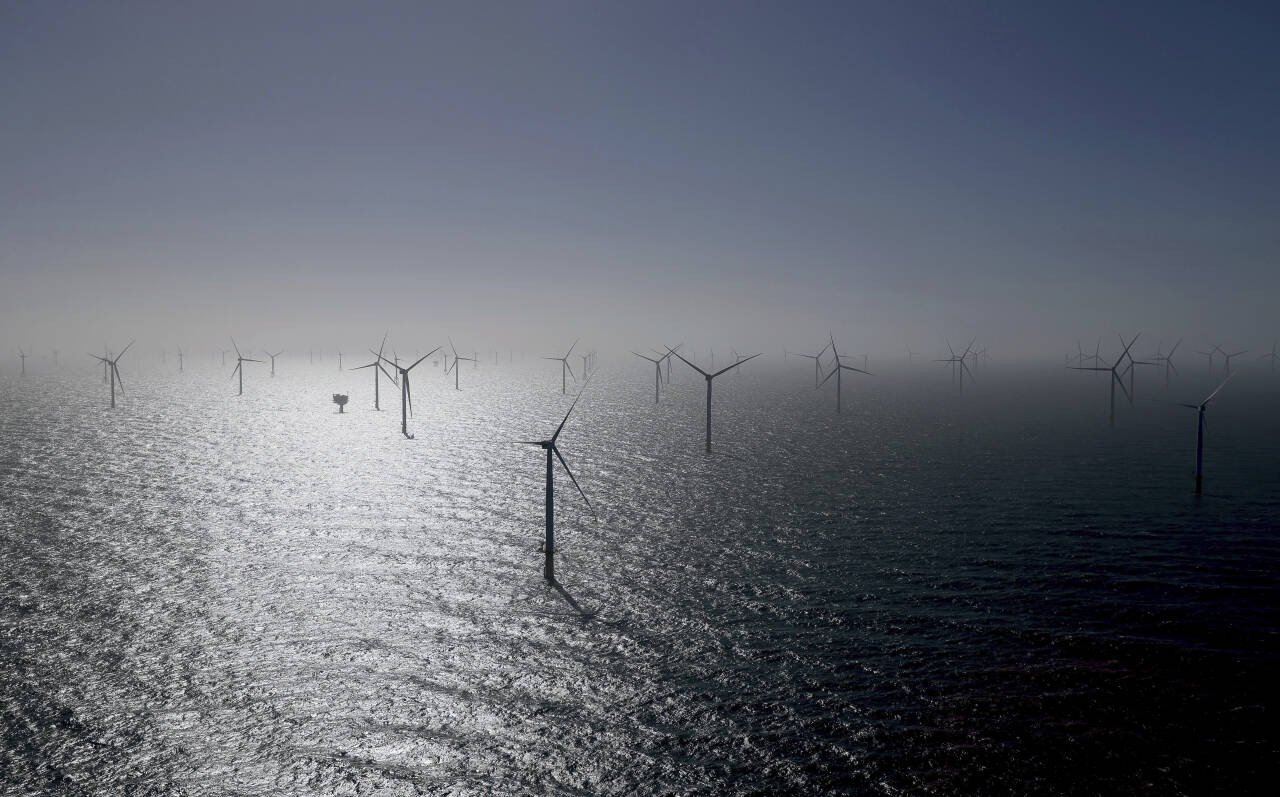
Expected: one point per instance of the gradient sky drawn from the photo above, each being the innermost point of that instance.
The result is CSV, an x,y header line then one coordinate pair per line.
x,y
745,174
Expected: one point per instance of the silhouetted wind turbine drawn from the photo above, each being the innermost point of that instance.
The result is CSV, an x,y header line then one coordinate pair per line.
x,y
1227,368
1200,430
1167,359
179,359
456,358
564,368
239,369
406,397
657,373
339,361
273,360
377,366
959,360
111,364
710,377
22,355
549,542
1115,376
836,369
817,362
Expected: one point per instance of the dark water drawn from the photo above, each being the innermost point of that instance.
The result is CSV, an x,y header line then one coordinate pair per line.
x,y
928,594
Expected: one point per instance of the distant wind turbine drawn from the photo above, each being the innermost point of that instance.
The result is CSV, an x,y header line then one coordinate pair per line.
x,y
273,360
1115,375
564,368
376,365
1227,368
817,363
959,360
456,358
179,359
112,366
709,377
1200,430
22,355
657,372
406,397
836,368
1167,360
239,369
549,541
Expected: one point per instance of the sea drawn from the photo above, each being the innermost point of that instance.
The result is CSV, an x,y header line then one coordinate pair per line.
x,y
935,591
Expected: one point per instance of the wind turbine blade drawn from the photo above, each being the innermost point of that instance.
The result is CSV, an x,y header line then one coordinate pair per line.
x,y
859,370
389,377
1220,387
126,348
1089,368
408,395
571,477
119,378
1175,348
455,351
1190,406
383,343
735,365
233,370
966,369
641,356
1120,382
423,357
686,362
251,360
570,351
234,346
99,359
555,436
824,381
570,369
362,367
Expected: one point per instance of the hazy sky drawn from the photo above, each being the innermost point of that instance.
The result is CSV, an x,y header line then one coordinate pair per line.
x,y
740,173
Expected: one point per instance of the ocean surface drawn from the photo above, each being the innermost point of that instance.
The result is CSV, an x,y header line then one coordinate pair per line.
x,y
929,593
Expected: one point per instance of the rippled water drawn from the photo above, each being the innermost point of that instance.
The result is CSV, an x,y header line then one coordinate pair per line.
x,y
929,594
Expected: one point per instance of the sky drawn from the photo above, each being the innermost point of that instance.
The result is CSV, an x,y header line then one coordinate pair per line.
x,y
747,174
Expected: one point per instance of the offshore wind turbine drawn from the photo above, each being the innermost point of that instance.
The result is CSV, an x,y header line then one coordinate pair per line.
x,y
111,364
836,368
456,358
657,372
564,367
406,397
179,359
377,366
549,540
239,369
273,360
22,355
1167,360
817,362
959,360
1200,430
1115,375
709,377
1227,368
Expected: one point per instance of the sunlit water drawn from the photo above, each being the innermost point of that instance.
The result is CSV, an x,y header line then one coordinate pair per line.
x,y
992,593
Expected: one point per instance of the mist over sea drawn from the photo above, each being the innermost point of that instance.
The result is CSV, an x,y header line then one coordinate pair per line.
x,y
930,593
